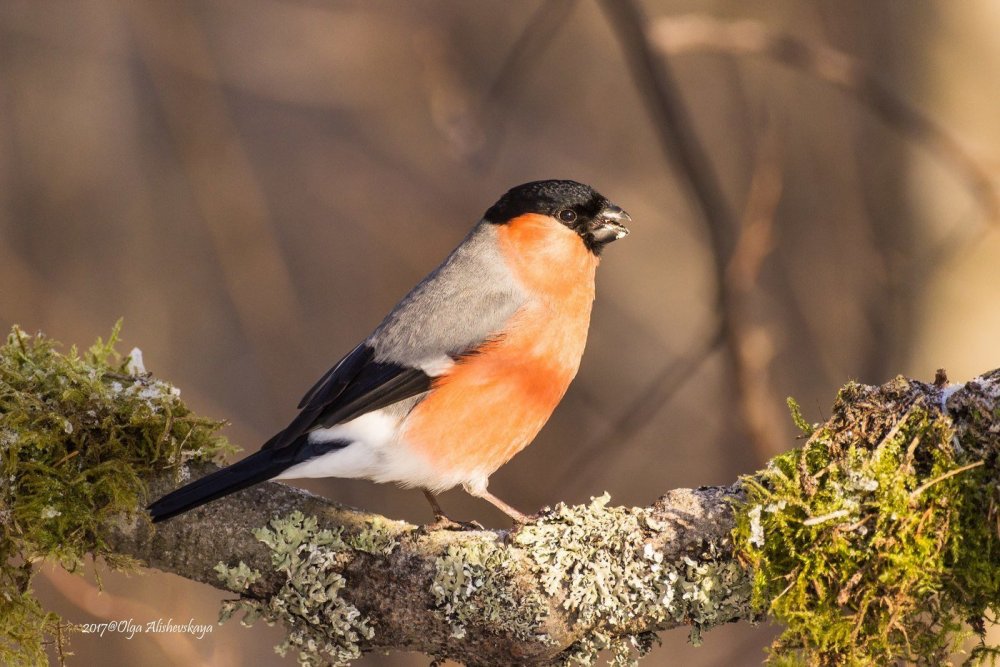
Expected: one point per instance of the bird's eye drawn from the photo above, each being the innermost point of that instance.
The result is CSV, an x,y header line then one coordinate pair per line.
x,y
567,215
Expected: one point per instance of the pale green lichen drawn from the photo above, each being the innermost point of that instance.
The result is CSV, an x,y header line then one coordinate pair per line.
x,y
322,626
599,562
874,542
588,555
473,582
238,578
627,650
78,433
376,538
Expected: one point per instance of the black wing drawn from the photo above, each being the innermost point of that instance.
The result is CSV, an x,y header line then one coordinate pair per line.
x,y
356,385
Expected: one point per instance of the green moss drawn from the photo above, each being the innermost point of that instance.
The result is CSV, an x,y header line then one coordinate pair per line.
x,y
797,418
587,554
78,432
322,627
872,542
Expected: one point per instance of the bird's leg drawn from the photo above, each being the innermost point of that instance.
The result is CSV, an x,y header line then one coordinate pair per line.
x,y
442,521
439,514
480,491
519,517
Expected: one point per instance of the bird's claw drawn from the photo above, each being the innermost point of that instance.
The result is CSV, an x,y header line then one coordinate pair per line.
x,y
523,521
444,523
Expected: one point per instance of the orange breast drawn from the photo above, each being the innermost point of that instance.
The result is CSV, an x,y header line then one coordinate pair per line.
x,y
493,403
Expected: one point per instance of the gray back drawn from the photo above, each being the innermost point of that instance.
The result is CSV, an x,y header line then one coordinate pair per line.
x,y
459,305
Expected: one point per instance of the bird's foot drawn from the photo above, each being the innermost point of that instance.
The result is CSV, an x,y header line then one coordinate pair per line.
x,y
524,520
442,522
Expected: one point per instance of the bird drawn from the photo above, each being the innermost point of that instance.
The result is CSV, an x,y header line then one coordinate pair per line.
x,y
462,373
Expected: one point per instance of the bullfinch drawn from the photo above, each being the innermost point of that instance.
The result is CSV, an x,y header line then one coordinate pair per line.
x,y
463,373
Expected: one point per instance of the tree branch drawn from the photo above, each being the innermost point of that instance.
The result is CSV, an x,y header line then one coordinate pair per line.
x,y
395,590
875,541
577,580
692,33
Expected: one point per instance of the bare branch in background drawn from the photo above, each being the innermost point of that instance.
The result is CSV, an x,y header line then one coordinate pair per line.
x,y
473,121
694,33
758,405
682,148
699,33
221,177
585,464
671,36
521,60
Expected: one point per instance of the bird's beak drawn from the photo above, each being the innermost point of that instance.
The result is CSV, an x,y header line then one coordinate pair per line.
x,y
609,225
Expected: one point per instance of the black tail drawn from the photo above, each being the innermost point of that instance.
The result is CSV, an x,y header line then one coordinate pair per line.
x,y
255,468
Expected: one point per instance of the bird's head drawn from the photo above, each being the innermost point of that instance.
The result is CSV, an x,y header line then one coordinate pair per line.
x,y
579,207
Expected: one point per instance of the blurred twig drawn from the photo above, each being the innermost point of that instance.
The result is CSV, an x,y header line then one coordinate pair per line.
x,y
221,178
758,405
534,39
682,148
691,33
685,34
473,122
902,274
585,462
522,58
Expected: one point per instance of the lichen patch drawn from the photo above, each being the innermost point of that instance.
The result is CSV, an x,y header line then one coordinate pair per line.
x,y
602,562
474,583
322,627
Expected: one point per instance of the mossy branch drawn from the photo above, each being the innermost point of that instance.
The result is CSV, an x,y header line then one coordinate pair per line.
x,y
876,540
589,577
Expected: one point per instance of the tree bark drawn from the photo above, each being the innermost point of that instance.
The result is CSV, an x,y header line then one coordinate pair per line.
x,y
395,590
512,597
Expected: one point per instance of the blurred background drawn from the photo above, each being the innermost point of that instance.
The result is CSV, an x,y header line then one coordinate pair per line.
x,y
253,184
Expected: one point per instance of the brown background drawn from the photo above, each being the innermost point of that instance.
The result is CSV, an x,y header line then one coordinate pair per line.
x,y
252,185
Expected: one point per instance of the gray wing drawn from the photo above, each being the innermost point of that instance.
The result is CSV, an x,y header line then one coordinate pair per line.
x,y
460,305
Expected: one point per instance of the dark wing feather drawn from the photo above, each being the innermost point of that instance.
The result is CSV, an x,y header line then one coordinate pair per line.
x,y
335,379
356,385
377,385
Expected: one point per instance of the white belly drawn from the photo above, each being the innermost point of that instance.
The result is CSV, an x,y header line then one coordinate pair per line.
x,y
375,453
